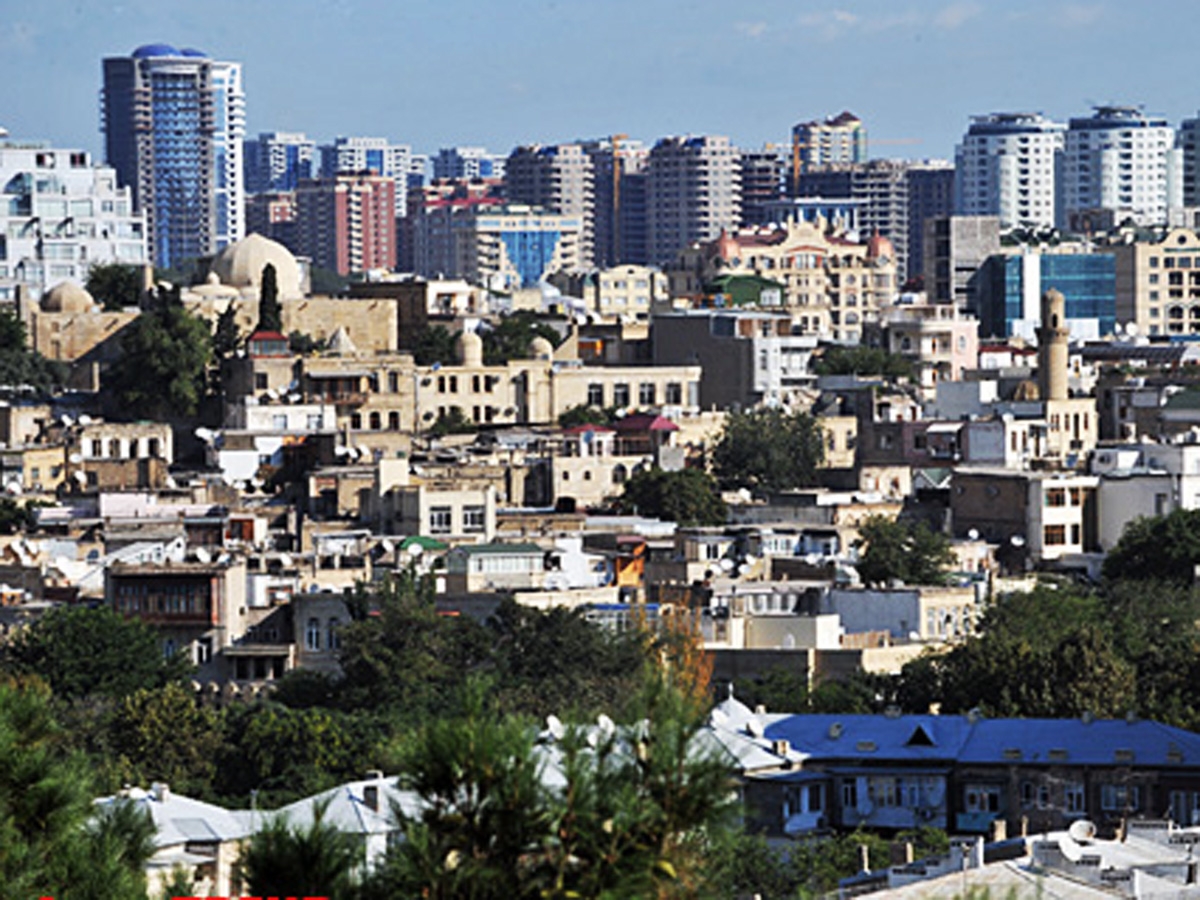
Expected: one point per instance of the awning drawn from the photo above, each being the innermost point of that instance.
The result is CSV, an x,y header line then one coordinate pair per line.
x,y
944,428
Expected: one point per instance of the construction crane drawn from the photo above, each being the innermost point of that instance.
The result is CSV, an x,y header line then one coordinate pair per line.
x,y
615,141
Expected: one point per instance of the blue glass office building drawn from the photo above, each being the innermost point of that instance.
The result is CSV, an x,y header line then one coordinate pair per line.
x,y
173,123
1014,285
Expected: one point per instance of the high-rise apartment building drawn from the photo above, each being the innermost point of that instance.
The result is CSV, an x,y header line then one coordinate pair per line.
x,y
353,155
278,161
762,184
467,162
559,178
1121,160
838,139
1006,167
896,197
173,122
618,176
60,215
1188,141
347,223
693,191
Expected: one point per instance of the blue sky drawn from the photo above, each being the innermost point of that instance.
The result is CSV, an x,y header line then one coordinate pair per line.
x,y
439,72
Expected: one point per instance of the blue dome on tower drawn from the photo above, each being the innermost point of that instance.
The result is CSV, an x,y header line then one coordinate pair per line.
x,y
149,50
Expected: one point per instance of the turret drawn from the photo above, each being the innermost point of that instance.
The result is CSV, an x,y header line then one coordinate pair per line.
x,y
1053,347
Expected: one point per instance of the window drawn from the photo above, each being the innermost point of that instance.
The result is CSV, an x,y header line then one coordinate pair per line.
x,y
849,793
1056,497
1073,797
982,798
1119,797
620,395
647,394
620,474
332,640
1055,535
674,393
595,394
439,520
393,380
312,635
816,798
474,519
260,381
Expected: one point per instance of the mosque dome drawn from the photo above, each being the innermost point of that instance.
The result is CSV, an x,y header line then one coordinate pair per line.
x,y
540,348
148,51
67,297
241,265
470,349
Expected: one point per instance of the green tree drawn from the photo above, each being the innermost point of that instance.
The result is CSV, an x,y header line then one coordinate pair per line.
x,y
511,339
314,860
768,450
51,841
585,415
891,549
862,360
81,651
434,344
161,372
270,313
687,496
452,421
299,342
226,336
21,366
164,734
1158,548
326,282
116,286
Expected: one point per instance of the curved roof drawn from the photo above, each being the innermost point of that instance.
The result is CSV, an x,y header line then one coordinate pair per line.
x,y
148,50
67,297
241,265
193,53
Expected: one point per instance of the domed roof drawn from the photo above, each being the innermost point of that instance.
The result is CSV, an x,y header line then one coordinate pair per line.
x,y
470,348
67,297
241,264
540,348
149,50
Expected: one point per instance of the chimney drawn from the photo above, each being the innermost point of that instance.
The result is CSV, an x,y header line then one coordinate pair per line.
x,y
160,791
371,797
999,830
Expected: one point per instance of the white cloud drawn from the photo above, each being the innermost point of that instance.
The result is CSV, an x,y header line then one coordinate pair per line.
x,y
751,29
956,14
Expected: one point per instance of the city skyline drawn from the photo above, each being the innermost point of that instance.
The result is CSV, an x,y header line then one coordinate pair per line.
x,y
461,73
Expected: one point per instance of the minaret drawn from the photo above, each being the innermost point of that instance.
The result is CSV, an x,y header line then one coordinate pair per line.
x,y
1052,347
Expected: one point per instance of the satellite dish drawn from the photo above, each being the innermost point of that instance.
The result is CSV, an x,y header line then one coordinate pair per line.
x,y
608,727
285,560
81,477
203,555
387,546
205,434
66,420
13,488
716,717
1132,329
76,458
973,534
85,419
1017,541
1081,831
726,565
415,549
555,726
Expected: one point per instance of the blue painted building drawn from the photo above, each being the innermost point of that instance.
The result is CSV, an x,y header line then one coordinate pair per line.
x,y
277,161
1011,288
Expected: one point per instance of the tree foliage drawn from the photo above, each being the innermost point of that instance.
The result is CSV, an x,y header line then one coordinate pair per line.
x,y
511,339
21,366
51,844
164,734
768,450
586,415
81,651
895,550
270,313
1163,548
165,352
686,496
314,860
435,344
226,336
862,360
114,285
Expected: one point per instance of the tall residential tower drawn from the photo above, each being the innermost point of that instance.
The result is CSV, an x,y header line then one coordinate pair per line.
x,y
1006,167
174,121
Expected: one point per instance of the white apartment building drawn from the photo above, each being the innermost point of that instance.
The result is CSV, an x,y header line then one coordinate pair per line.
x,y
60,215
1120,159
693,192
467,162
1006,168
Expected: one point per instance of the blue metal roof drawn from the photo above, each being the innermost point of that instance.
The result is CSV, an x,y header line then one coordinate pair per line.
x,y
986,741
149,50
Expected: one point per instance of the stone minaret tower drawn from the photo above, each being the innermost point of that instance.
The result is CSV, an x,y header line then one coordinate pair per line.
x,y
1052,347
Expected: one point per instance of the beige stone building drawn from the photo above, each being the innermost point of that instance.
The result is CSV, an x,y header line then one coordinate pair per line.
x,y
1158,283
831,285
621,292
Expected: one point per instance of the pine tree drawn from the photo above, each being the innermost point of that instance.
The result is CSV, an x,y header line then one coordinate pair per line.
x,y
270,313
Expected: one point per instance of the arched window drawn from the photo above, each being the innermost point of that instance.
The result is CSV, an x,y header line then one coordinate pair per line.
x,y
393,421
376,421
312,635
332,639
620,474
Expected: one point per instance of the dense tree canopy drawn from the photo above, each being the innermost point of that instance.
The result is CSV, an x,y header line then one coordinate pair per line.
x,y
434,344
80,650
862,360
1165,548
769,450
162,371
21,366
511,339
687,496
270,313
896,550
115,286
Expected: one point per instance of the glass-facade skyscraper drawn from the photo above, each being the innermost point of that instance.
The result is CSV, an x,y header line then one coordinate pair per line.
x,y
174,122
